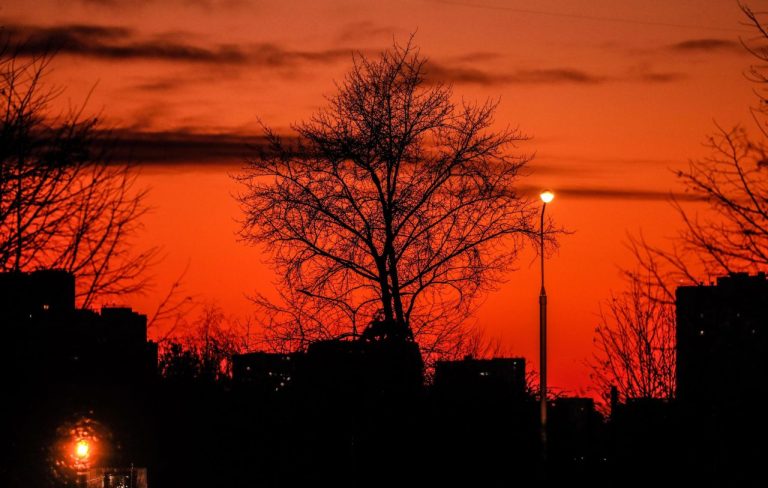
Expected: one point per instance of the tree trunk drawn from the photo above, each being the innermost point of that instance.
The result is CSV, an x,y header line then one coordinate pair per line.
x,y
397,299
386,296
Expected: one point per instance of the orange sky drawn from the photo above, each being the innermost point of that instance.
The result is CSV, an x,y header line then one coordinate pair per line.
x,y
614,94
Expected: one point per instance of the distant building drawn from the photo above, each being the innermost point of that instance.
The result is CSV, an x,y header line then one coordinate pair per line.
x,y
49,340
359,368
644,432
722,374
265,372
474,376
574,411
483,422
722,341
29,296
574,431
117,478
60,362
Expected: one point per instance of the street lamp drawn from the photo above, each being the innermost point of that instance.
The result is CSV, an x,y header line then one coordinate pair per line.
x,y
82,450
546,197
82,453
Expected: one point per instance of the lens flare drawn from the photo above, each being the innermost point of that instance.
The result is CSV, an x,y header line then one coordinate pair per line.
x,y
82,449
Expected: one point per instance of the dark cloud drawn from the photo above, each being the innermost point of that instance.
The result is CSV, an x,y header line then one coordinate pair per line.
x,y
559,75
204,4
119,43
163,85
707,45
181,149
437,73
597,193
539,168
276,56
660,77
464,75
461,74
113,43
645,73
177,148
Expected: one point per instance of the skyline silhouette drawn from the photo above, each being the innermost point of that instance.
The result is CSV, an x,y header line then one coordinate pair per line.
x,y
98,408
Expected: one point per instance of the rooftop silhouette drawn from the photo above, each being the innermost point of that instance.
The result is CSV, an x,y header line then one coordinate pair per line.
x,y
347,411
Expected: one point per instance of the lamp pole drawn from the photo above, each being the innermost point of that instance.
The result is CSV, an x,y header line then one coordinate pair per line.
x,y
82,461
546,197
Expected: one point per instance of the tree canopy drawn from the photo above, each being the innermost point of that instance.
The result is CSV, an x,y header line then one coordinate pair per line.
x,y
394,202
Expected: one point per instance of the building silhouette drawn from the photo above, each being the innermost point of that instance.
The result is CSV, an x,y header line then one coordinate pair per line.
x,y
356,411
31,297
265,372
470,376
573,420
722,352
481,422
722,372
117,478
644,432
51,341
67,366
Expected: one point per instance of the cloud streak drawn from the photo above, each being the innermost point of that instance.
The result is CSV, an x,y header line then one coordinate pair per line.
x,y
119,43
465,75
607,193
174,148
707,45
458,74
124,44
116,43
180,149
203,4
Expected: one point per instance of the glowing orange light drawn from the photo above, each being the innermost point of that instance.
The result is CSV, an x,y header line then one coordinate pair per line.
x,y
547,196
82,449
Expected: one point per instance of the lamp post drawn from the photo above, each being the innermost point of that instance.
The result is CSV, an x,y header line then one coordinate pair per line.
x,y
546,197
82,453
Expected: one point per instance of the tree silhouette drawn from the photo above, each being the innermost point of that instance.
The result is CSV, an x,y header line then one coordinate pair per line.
x,y
728,233
635,342
63,203
204,353
396,203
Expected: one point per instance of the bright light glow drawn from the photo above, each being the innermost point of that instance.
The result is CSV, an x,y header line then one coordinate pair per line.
x,y
82,449
547,196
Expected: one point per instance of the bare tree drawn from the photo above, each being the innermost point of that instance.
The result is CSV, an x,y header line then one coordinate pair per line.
x,y
757,73
635,344
63,204
729,233
724,230
397,203
204,351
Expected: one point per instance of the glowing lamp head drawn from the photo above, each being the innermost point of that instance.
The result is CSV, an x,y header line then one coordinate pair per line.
x,y
82,449
547,196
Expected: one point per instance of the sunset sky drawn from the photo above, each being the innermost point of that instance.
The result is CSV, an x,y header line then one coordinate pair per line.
x,y
614,95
